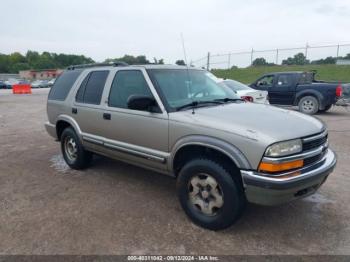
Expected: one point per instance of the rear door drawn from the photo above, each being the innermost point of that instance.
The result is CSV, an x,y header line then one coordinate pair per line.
x,y
282,91
87,109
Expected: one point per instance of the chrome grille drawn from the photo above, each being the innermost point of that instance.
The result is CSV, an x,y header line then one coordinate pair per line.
x,y
312,143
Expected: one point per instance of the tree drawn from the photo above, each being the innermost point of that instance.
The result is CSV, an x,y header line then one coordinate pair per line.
x,y
180,62
129,59
158,62
260,62
298,59
328,60
33,60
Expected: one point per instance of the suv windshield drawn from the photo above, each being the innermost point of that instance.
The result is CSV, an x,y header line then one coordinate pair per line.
x,y
180,87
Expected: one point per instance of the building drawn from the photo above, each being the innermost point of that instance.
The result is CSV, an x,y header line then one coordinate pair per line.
x,y
343,62
5,77
40,74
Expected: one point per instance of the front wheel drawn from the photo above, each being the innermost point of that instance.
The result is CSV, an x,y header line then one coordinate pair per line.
x,y
73,151
308,105
209,195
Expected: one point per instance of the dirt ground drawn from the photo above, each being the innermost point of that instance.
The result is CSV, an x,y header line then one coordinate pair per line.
x,y
115,208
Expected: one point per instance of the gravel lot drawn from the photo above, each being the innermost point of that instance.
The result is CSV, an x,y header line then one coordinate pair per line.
x,y
115,208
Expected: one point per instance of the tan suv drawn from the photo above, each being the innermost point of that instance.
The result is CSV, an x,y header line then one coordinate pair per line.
x,y
179,121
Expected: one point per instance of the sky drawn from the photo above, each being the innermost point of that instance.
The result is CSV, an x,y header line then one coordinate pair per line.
x,y
103,29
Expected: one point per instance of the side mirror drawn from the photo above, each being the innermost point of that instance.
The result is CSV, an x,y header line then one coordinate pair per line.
x,y
142,103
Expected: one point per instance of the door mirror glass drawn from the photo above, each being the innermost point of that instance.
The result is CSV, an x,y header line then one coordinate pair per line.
x,y
142,103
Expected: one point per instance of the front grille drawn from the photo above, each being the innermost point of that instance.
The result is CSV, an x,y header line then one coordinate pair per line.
x,y
313,159
314,143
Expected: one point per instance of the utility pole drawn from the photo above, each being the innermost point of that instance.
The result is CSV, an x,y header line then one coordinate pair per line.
x,y
306,47
338,51
251,57
228,61
277,56
208,61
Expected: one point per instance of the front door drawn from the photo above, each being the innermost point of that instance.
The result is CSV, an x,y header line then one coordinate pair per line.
x,y
136,136
282,91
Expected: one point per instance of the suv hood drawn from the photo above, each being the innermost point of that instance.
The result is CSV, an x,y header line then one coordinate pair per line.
x,y
253,121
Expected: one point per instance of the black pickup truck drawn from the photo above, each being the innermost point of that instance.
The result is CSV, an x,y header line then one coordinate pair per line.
x,y
300,89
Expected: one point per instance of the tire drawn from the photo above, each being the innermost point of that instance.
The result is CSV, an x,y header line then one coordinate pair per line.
x,y
221,212
308,105
326,109
73,151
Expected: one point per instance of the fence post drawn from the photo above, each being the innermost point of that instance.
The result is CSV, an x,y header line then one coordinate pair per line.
x,y
277,56
251,57
338,51
228,61
208,61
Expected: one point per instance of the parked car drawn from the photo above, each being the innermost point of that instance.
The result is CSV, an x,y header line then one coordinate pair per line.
x,y
40,84
51,82
245,92
3,85
13,81
180,122
299,89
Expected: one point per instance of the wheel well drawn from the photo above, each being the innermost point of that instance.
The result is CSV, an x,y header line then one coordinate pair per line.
x,y
187,153
308,94
60,126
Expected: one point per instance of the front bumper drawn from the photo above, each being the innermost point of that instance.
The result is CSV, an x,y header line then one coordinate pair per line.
x,y
267,190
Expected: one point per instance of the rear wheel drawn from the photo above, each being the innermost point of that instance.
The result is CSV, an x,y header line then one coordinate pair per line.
x,y
209,195
73,151
308,105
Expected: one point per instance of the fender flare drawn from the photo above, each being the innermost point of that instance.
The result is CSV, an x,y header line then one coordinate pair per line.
x,y
224,147
72,122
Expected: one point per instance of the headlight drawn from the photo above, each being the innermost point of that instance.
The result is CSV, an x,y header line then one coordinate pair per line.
x,y
284,148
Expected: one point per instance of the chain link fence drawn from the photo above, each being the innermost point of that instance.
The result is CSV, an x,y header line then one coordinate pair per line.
x,y
273,56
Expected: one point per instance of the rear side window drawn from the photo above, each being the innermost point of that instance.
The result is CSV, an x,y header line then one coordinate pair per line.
x,y
63,85
91,89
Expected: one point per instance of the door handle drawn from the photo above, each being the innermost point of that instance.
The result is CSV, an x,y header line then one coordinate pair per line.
x,y
107,116
74,110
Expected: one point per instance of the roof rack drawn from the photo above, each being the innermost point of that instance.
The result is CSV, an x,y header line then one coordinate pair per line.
x,y
117,63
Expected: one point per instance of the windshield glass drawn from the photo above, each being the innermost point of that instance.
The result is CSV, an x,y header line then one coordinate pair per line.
x,y
181,86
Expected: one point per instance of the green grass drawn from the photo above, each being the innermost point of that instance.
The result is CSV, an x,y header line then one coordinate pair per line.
x,y
250,74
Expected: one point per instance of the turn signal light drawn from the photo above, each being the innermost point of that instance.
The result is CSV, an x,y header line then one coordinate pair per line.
x,y
278,167
248,98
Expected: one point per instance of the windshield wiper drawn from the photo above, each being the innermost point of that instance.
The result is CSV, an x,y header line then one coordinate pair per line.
x,y
227,99
194,104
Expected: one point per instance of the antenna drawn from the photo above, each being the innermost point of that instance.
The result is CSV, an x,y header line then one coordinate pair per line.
x,y
188,72
183,48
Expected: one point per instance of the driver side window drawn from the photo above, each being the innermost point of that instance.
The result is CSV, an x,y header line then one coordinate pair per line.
x,y
125,84
266,81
